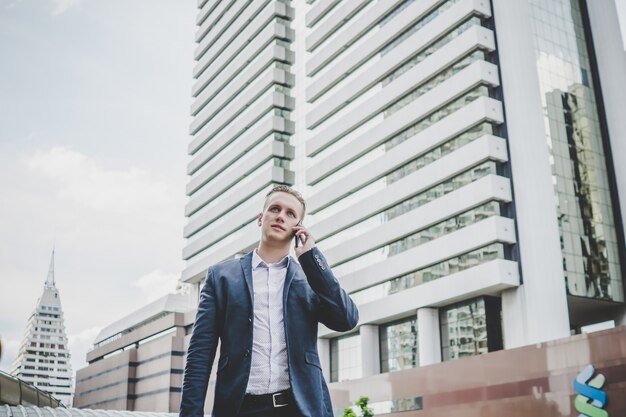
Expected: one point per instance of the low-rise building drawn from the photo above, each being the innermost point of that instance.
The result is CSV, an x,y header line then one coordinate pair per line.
x,y
136,363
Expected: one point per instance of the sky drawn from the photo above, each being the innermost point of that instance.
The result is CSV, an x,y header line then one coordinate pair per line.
x,y
94,118
621,15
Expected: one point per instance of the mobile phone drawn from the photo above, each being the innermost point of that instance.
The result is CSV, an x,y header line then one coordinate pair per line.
x,y
298,239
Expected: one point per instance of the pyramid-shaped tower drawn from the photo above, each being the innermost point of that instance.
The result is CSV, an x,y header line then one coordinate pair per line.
x,y
44,358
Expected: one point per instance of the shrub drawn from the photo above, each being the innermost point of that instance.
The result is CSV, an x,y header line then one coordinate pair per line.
x,y
362,404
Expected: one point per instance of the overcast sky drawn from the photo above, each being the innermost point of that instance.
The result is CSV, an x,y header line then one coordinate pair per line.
x,y
94,114
621,14
94,118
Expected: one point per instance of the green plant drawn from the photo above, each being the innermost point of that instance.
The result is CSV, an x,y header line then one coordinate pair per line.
x,y
365,410
362,404
348,412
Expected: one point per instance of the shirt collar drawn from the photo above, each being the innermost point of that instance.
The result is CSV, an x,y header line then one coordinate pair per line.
x,y
257,262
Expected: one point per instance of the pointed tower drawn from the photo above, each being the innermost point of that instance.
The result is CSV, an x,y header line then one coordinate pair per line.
x,y
44,358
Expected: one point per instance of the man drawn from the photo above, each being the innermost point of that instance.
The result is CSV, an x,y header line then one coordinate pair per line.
x,y
265,308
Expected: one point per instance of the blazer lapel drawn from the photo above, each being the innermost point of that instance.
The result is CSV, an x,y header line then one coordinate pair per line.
x,y
246,266
291,271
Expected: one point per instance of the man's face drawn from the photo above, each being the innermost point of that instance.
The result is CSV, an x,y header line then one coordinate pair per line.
x,y
282,212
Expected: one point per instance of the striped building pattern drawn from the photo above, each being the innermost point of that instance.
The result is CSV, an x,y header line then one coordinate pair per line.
x,y
457,157
390,117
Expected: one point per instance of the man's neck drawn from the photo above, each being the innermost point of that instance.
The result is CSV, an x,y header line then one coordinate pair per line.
x,y
272,254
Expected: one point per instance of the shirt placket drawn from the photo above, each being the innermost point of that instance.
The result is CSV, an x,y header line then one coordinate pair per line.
x,y
270,325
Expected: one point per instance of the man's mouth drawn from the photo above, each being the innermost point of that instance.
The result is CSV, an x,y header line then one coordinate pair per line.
x,y
275,226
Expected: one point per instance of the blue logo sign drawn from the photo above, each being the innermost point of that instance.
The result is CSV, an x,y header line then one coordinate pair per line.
x,y
591,399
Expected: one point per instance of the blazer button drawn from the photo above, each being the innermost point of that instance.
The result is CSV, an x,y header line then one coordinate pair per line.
x,y
247,352
250,319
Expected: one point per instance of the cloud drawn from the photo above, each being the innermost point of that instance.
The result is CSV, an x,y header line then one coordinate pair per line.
x,y
84,181
79,344
61,6
621,15
9,354
107,184
112,223
9,4
156,284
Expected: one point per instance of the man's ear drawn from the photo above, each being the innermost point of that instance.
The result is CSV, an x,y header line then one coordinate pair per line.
x,y
259,218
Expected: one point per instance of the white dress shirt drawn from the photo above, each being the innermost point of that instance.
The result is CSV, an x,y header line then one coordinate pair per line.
x,y
269,372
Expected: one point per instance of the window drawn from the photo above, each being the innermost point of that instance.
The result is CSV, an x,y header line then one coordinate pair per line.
x,y
471,328
345,358
398,345
430,273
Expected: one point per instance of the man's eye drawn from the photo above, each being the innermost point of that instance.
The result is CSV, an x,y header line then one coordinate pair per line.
x,y
291,214
274,209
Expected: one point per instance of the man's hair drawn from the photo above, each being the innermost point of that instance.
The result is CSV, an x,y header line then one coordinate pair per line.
x,y
286,189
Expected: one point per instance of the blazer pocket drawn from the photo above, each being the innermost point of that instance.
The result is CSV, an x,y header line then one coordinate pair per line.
x,y
223,363
311,358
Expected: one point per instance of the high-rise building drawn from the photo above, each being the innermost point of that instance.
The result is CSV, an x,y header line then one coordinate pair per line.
x,y
43,358
241,127
460,160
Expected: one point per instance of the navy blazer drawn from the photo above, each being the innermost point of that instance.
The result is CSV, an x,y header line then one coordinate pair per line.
x,y
311,295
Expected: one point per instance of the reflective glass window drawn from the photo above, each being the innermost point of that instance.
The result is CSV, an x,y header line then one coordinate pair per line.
x,y
345,357
430,273
471,328
398,345
421,199
399,173
572,128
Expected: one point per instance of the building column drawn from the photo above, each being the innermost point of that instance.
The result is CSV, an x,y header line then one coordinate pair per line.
x,y
428,336
537,310
611,59
323,351
370,350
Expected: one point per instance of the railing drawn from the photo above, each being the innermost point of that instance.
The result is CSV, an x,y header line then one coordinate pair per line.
x,y
14,391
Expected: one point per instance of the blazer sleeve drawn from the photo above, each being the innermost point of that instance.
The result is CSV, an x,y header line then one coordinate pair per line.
x,y
201,352
337,311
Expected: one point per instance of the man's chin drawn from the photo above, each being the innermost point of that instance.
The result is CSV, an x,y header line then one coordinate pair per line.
x,y
279,241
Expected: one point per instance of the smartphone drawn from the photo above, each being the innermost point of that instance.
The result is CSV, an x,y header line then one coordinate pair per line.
x,y
298,239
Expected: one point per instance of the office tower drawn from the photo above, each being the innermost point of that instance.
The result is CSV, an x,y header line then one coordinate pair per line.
x,y
241,127
459,160
43,358
136,363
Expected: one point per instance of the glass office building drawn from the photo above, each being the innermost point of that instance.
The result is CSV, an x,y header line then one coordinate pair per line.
x,y
577,152
458,157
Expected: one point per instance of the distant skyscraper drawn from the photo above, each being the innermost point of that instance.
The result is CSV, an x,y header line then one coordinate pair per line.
x,y
44,358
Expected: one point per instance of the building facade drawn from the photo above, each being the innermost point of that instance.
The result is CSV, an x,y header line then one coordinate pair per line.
x,y
43,358
241,127
460,160
136,363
